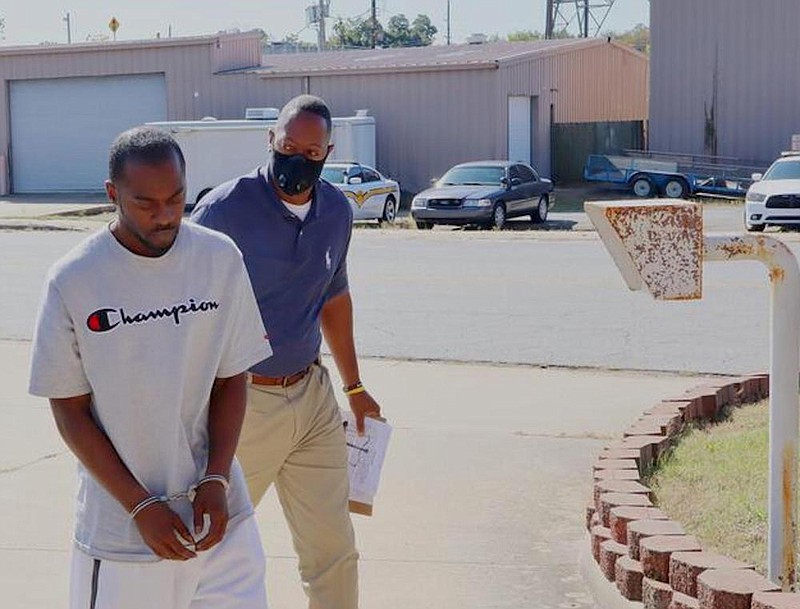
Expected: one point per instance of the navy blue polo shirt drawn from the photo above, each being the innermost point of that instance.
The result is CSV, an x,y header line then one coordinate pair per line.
x,y
295,267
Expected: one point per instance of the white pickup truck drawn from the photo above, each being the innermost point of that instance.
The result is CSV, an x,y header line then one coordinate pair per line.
x,y
219,150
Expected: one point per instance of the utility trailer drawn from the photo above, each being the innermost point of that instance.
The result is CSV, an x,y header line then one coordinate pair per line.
x,y
677,176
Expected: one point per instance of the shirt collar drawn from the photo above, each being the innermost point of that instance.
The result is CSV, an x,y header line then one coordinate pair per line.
x,y
277,205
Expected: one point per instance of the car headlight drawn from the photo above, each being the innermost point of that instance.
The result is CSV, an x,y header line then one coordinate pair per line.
x,y
756,197
419,203
477,203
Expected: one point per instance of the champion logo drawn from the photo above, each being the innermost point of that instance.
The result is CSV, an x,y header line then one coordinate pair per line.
x,y
106,319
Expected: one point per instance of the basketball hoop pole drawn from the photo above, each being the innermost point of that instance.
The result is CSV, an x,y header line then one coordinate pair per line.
x,y
660,246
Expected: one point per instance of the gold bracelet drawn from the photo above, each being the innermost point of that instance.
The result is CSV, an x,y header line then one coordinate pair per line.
x,y
356,391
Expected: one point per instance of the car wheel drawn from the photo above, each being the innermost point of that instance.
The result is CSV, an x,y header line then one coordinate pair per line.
x,y
642,187
539,214
422,225
676,188
498,217
390,210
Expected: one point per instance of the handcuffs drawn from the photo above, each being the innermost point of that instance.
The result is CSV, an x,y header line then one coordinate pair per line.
x,y
189,494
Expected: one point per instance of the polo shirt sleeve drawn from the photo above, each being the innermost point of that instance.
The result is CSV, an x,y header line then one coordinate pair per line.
x,y
247,342
339,283
209,216
56,365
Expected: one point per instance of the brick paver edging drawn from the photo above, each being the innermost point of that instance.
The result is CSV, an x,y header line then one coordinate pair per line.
x,y
649,557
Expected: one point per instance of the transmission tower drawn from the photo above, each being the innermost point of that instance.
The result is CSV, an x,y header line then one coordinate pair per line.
x,y
582,17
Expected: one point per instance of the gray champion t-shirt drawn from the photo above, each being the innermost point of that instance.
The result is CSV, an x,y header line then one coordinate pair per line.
x,y
147,337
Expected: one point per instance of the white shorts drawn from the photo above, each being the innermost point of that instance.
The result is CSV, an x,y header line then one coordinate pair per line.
x,y
231,575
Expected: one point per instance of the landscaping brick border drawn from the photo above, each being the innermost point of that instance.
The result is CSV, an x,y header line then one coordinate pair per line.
x,y
649,557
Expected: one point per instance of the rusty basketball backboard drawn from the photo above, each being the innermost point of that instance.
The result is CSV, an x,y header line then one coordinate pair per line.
x,y
656,244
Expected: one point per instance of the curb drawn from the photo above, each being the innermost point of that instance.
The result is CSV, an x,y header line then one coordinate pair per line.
x,y
605,593
38,226
662,562
89,210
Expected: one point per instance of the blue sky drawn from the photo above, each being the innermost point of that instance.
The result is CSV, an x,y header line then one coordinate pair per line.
x,y
34,21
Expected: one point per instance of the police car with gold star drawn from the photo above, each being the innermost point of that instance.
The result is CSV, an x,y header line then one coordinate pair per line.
x,y
372,196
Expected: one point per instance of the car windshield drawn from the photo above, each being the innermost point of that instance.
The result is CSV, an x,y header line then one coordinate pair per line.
x,y
785,170
474,175
334,175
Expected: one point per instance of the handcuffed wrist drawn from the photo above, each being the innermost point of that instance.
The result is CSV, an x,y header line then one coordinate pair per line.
x,y
218,478
146,503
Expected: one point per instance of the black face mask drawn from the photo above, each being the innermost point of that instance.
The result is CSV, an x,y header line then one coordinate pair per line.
x,y
294,174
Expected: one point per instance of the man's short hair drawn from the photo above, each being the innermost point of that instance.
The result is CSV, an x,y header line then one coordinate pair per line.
x,y
306,103
144,145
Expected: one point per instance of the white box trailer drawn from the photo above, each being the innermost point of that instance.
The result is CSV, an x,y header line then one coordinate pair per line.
x,y
219,150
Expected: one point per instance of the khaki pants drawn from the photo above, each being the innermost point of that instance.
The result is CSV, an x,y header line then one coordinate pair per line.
x,y
294,437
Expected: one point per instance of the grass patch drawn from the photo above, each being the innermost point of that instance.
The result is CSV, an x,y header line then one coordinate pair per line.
x,y
714,482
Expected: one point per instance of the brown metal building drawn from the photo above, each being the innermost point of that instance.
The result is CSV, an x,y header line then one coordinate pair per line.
x,y
63,104
434,106
437,106
726,81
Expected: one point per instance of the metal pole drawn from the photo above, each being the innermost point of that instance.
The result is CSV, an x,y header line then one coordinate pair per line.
x,y
321,39
784,276
585,18
550,21
66,19
374,25
448,22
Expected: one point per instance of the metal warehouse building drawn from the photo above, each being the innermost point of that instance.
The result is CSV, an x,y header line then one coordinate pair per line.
x,y
433,106
727,80
436,106
63,104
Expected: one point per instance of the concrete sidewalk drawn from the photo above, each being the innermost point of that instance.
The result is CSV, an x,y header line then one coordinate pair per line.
x,y
481,504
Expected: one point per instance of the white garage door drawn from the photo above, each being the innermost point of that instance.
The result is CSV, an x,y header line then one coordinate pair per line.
x,y
61,129
519,128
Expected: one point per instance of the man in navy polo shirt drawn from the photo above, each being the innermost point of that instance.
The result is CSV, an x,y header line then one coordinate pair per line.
x,y
294,231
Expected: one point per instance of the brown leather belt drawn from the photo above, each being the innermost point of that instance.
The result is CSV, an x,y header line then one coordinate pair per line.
x,y
280,381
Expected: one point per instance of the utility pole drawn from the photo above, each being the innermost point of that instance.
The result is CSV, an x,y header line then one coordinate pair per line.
x,y
66,20
448,22
321,40
374,24
586,18
550,20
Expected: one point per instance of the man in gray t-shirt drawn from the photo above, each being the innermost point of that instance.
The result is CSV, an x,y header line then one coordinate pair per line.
x,y
144,361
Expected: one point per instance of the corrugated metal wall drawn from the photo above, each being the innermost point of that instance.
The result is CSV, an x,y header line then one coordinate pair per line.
x,y
234,93
601,83
193,90
235,52
429,121
725,77
426,122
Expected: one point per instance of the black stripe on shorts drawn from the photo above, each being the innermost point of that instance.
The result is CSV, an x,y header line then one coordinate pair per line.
x,y
95,580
